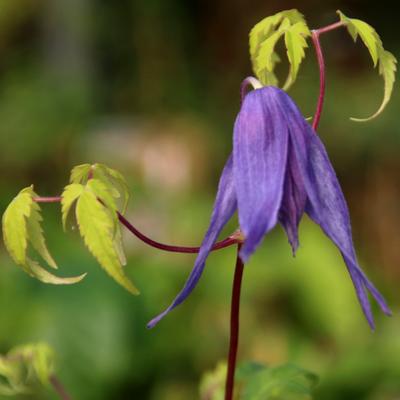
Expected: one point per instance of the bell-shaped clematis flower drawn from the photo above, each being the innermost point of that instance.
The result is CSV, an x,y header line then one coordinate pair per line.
x,y
279,169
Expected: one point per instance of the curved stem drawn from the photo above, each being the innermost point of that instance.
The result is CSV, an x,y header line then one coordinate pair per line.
x,y
59,388
321,64
229,241
249,81
234,333
175,249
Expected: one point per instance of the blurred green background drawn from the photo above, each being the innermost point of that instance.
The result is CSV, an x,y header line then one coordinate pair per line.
x,y
151,87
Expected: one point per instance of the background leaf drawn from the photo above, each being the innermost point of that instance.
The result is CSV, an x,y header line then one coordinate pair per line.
x,y
212,385
387,61
286,382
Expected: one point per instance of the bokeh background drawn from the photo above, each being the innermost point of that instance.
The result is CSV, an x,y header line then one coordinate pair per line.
x,y
151,87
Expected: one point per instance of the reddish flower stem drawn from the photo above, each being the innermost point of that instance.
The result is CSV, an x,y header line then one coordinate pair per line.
x,y
54,199
234,333
166,247
321,63
229,241
59,388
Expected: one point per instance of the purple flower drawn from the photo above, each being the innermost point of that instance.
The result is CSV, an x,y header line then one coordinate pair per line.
x,y
279,169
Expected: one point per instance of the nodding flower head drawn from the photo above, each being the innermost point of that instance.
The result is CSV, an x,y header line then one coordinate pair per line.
x,y
278,170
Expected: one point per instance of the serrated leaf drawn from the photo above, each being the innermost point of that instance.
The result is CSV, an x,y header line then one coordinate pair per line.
x,y
15,232
79,174
21,225
35,235
387,61
70,195
114,180
387,68
119,248
45,276
295,41
104,193
264,37
368,35
96,226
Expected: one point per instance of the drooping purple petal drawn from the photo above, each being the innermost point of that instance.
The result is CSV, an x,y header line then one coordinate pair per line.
x,y
326,203
224,207
293,200
260,148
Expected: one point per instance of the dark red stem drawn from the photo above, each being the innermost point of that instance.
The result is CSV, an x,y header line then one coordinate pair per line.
x,y
166,247
59,388
321,64
234,333
161,246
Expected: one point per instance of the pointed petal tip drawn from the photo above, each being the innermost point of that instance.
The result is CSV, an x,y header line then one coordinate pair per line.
x,y
151,324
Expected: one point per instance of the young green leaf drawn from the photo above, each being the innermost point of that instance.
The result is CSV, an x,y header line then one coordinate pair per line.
x,y
114,180
22,225
38,358
295,41
35,270
35,235
80,173
96,226
15,232
264,37
387,61
70,194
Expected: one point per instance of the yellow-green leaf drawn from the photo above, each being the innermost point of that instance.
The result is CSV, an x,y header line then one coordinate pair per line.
x,y
70,195
387,61
79,174
387,69
38,358
45,276
264,37
366,32
14,225
114,180
119,248
21,225
96,226
295,41
35,235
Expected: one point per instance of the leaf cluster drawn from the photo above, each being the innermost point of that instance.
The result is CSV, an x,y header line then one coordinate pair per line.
x,y
22,227
26,367
96,193
255,381
263,38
